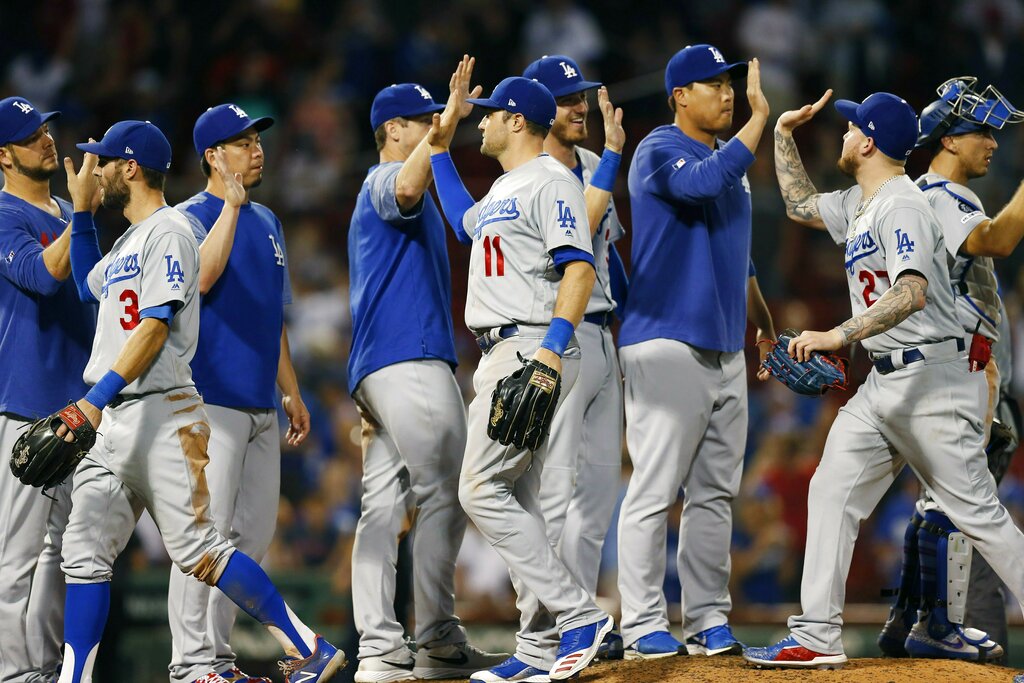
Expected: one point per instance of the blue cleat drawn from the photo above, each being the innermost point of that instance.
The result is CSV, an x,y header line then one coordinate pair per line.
x,y
655,646
578,647
717,640
512,669
319,666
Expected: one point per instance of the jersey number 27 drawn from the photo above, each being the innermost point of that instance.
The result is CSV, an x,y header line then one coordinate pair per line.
x,y
870,280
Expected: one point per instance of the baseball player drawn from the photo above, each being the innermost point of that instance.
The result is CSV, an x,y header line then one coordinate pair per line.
x,y
692,288
243,267
45,342
584,456
401,375
958,130
531,275
921,405
153,449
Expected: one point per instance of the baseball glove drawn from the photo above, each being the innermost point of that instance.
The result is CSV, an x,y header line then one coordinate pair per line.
x,y
813,377
41,458
523,404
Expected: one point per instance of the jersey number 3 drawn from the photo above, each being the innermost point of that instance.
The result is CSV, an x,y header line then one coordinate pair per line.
x,y
130,317
498,257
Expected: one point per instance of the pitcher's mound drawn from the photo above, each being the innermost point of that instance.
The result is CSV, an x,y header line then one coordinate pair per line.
x,y
700,669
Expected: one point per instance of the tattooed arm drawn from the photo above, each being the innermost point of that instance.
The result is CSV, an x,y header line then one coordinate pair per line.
x,y
798,191
906,296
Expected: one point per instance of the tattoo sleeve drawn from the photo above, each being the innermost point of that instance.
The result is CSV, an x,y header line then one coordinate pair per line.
x,y
798,191
899,301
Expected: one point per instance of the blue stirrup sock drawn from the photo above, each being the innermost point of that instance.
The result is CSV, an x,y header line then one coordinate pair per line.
x,y
85,613
250,588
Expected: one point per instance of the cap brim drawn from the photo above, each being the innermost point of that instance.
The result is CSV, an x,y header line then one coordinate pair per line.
x,y
262,123
572,88
848,110
425,109
484,102
97,148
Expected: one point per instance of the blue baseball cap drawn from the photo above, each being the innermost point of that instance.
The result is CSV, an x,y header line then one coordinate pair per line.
x,y
401,99
885,118
559,74
699,63
19,119
223,122
521,96
138,140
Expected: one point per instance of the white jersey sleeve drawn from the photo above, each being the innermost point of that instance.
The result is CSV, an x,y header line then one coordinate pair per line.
x,y
562,215
836,210
169,266
97,276
908,241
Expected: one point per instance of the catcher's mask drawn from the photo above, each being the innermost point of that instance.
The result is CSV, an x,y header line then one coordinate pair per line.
x,y
962,109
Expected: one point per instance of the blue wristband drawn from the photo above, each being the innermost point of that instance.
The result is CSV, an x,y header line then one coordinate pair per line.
x,y
558,337
604,176
104,391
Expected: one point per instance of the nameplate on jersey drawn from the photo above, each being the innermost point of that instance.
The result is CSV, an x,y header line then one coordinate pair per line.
x,y
499,210
122,268
859,246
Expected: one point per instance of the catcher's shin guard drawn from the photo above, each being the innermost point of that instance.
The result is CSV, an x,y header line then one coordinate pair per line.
x,y
908,596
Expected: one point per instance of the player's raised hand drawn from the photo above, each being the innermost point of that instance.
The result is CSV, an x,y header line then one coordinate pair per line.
x,y
798,117
234,191
443,125
755,96
800,347
298,419
614,133
83,185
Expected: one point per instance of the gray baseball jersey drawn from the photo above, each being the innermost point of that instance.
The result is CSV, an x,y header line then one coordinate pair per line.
x,y
529,211
896,232
974,277
155,262
609,231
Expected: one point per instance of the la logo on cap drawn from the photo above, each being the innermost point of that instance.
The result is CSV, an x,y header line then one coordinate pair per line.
x,y
717,55
25,107
238,110
569,71
422,91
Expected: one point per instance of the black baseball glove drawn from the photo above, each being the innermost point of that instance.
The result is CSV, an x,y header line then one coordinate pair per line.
x,y
523,404
821,372
41,458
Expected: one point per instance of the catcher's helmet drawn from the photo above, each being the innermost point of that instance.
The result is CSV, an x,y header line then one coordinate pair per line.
x,y
961,109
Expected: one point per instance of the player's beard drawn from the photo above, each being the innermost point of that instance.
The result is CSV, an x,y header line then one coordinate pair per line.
x,y
116,194
37,173
568,134
847,165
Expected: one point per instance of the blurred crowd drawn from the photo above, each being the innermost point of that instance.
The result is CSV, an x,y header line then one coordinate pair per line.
x,y
315,67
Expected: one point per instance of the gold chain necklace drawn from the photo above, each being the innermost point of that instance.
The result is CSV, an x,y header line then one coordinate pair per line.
x,y
863,206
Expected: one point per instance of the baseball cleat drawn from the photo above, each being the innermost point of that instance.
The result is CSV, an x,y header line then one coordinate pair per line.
x,y
512,669
578,647
717,640
960,643
319,666
394,666
611,647
655,646
789,654
454,661
236,675
894,633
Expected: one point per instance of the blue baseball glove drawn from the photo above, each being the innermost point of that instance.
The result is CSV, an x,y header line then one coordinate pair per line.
x,y
813,377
